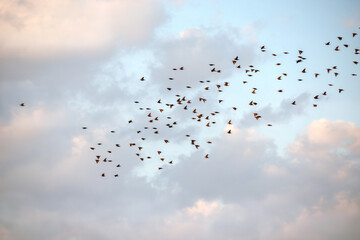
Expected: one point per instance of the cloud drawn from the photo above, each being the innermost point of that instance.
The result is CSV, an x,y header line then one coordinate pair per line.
x,y
41,28
283,113
195,49
325,139
243,189
203,208
344,214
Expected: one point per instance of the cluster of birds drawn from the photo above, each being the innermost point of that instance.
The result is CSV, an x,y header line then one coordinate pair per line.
x,y
182,103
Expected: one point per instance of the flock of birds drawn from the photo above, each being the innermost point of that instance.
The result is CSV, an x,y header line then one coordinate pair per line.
x,y
161,115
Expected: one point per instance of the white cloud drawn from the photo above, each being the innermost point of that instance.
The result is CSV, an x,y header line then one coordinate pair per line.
x,y
243,189
337,221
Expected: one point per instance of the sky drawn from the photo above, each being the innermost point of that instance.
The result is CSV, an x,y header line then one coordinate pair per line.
x,y
79,63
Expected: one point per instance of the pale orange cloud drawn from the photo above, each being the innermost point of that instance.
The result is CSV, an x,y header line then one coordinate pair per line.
x,y
324,135
42,28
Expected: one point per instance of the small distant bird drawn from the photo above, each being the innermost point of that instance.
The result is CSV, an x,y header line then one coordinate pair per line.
x,y
22,104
